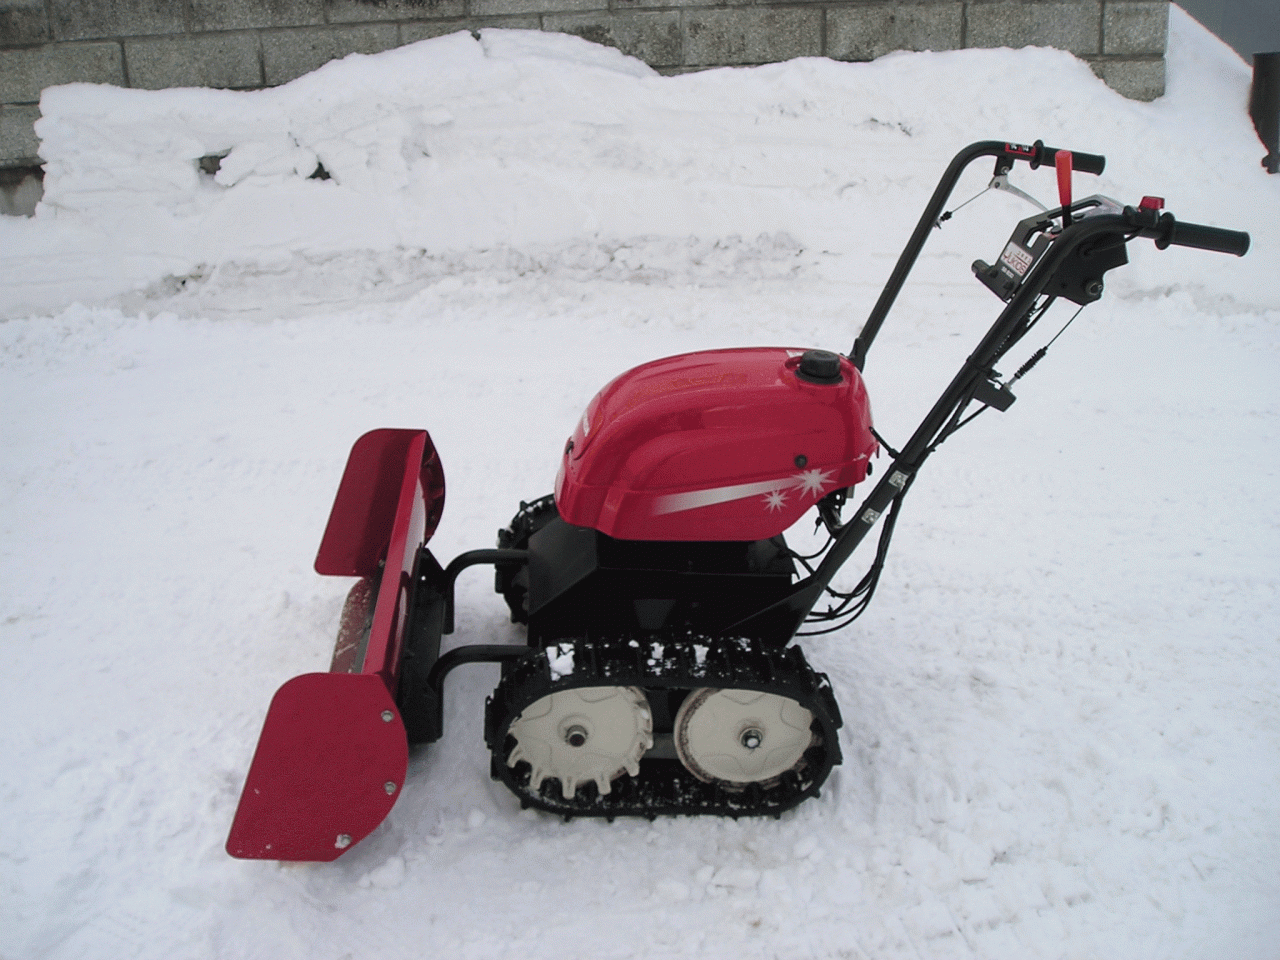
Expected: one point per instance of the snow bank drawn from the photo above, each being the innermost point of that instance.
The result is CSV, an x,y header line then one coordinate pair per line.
x,y
518,139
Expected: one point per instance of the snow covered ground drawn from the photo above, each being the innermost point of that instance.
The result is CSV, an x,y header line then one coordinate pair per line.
x,y
1062,711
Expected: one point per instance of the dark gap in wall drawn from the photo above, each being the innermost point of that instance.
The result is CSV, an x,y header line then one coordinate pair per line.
x,y
209,164
20,190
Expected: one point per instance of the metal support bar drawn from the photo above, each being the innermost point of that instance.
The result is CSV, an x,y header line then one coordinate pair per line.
x,y
910,253
475,653
470,559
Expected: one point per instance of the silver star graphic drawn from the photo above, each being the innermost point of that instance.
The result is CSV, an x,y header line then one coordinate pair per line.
x,y
775,500
812,481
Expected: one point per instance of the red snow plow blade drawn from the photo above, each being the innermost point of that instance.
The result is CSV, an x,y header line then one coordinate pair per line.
x,y
333,751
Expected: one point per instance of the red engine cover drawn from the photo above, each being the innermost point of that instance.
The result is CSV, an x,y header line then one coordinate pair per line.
x,y
716,445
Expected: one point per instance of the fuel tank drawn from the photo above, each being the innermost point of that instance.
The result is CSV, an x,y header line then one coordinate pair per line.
x,y
716,445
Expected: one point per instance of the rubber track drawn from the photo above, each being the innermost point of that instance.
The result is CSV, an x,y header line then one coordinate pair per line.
x,y
665,787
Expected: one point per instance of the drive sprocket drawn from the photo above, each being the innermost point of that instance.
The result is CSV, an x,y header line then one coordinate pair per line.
x,y
582,735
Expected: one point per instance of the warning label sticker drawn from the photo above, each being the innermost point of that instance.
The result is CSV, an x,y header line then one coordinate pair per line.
x,y
1016,258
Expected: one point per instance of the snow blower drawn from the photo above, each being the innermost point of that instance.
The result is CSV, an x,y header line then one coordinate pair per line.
x,y
661,599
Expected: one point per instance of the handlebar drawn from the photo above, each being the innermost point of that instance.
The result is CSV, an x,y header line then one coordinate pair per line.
x,y
1201,237
1037,154
1166,232
1005,154
1084,162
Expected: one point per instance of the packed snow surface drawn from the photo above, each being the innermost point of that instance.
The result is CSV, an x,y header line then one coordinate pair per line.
x,y
1062,711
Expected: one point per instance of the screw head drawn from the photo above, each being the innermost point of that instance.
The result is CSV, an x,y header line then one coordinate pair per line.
x,y
576,736
343,841
387,716
390,787
751,738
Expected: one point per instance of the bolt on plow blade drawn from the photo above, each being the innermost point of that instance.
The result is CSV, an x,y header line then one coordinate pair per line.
x,y
329,765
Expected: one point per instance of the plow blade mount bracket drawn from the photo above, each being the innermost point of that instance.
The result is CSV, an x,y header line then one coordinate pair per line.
x,y
329,765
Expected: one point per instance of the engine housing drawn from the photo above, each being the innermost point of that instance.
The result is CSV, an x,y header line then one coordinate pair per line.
x,y
716,445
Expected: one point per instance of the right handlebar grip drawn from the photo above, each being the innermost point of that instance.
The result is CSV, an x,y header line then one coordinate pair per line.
x,y
1204,238
1088,162
1084,162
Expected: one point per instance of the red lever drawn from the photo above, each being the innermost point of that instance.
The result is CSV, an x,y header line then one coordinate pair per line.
x,y
1151,203
1062,162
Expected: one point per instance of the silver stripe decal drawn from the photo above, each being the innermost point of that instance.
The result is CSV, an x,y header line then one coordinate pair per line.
x,y
810,481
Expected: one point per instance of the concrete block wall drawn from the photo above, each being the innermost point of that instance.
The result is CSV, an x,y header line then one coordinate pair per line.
x,y
247,44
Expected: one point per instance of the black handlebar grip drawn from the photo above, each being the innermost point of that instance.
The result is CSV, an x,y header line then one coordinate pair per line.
x,y
1088,162
1203,238
1084,162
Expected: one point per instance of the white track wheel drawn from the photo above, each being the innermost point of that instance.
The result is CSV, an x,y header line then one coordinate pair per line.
x,y
584,735
739,737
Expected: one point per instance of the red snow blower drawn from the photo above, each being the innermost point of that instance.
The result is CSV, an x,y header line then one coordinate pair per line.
x,y
660,674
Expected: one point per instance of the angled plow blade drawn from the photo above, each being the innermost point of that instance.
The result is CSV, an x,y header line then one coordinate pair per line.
x,y
333,751
329,765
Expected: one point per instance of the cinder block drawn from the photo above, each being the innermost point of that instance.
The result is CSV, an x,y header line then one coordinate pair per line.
x,y
864,33
629,5
23,21
1137,79
1141,27
287,54
653,37
96,19
18,141
1066,26
251,14
497,8
364,11
202,60
24,73
413,32
751,35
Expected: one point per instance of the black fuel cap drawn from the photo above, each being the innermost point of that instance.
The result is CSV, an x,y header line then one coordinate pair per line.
x,y
819,366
